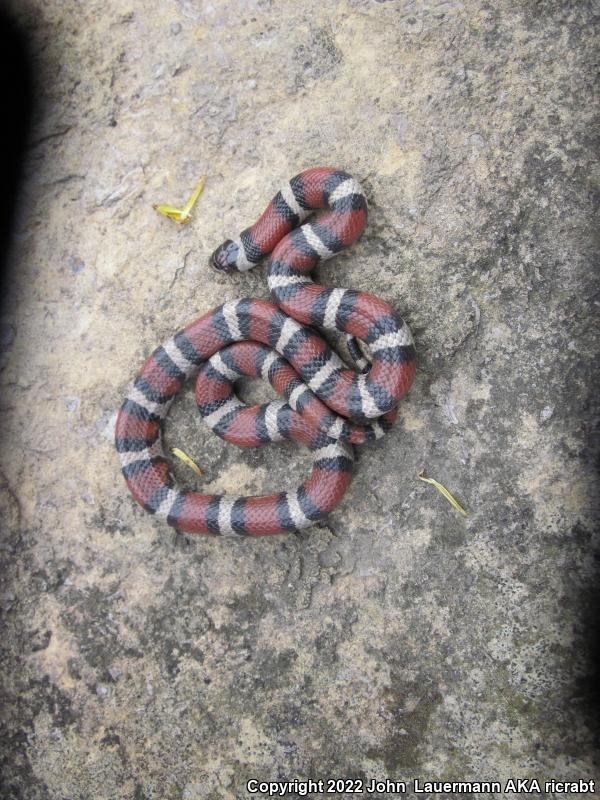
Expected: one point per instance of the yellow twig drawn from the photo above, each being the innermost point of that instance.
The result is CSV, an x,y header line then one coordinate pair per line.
x,y
183,215
444,491
186,460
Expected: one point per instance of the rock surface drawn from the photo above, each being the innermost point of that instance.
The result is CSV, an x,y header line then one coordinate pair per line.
x,y
399,640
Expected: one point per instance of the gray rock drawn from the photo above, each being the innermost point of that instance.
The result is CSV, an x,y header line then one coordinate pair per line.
x,y
399,639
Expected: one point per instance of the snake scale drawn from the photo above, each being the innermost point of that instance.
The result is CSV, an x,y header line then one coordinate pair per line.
x,y
328,406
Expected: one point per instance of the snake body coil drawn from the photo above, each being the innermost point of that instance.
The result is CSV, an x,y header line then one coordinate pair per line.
x,y
328,406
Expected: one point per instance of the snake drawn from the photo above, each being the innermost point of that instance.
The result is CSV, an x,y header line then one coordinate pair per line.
x,y
327,404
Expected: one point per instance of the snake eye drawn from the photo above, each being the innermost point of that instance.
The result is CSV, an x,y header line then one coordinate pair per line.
x,y
225,256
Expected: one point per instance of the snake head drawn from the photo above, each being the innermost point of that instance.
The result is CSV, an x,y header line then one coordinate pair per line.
x,y
225,257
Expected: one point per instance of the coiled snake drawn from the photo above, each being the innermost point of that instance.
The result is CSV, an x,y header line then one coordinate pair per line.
x,y
328,407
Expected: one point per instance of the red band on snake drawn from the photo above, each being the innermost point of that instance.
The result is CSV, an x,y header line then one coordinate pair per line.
x,y
328,406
